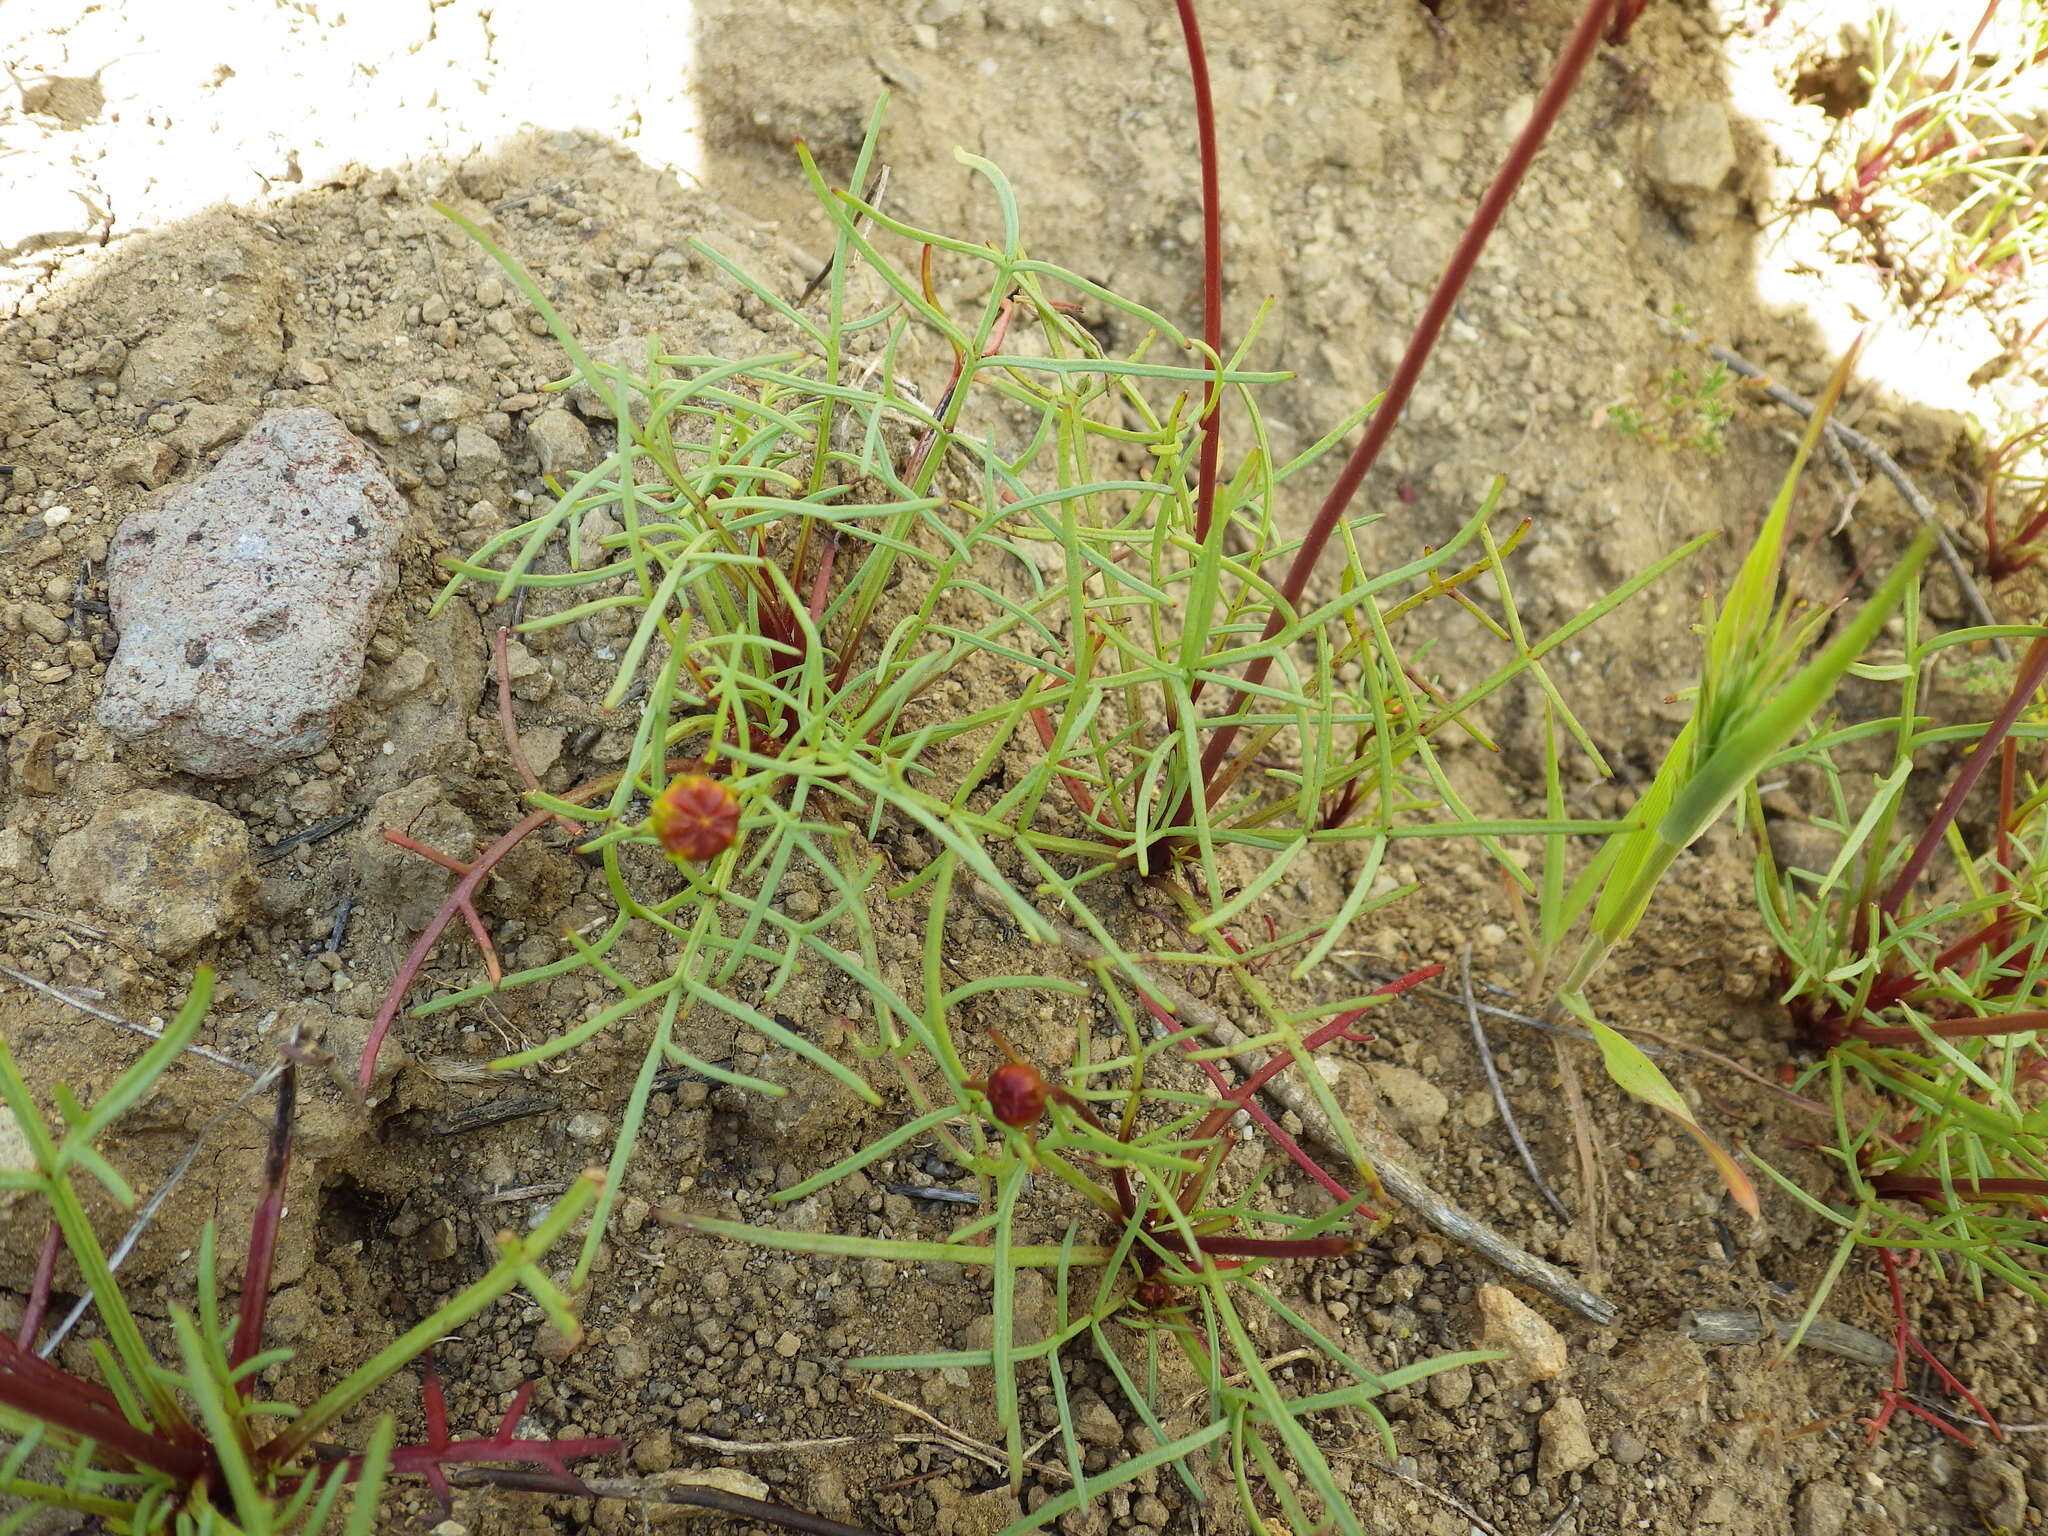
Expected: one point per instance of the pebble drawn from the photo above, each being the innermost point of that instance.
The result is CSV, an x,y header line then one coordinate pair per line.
x,y
1625,1447
1534,1349
145,464
1998,1493
1822,1510
18,859
588,1127
562,442
1095,1421
176,869
655,1452
1566,1446
1413,1102
245,599
1692,153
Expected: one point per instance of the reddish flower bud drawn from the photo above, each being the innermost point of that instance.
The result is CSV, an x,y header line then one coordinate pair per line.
x,y
696,817
1016,1094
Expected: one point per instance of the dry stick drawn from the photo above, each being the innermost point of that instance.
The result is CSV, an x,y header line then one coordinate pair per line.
x,y
1393,1159
1713,1325
1500,1093
1436,314
145,1030
1879,460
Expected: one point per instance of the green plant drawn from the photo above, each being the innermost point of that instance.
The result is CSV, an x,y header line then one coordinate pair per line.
x,y
170,1436
1115,1144
1947,175
2015,468
1918,963
1756,693
1687,412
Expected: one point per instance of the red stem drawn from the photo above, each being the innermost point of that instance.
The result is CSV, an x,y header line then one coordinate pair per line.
x,y
1564,77
1967,1028
1263,1120
2032,670
41,1391
263,1229
1905,1186
39,1288
1212,265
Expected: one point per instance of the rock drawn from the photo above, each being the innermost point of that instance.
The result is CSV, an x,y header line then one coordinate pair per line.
x,y
1662,1374
1802,845
206,427
411,888
18,859
1534,1349
655,1452
476,453
627,355
1822,1509
407,674
562,441
176,869
1998,1493
723,1479
1413,1102
145,464
1452,1388
1692,153
245,599
1095,1421
1717,1506
1625,1447
1566,1446
32,754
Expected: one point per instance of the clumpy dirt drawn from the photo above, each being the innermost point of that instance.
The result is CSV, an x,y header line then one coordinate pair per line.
x,y
1357,135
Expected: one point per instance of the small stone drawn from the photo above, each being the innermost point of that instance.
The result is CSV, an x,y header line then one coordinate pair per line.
x,y
33,757
1625,1447
407,674
1452,1388
1822,1509
1534,1349
244,600
542,745
1566,1446
176,869
722,1479
1095,1421
625,354
18,860
561,440
1692,154
206,427
476,453
145,464
490,293
41,621
655,1452
588,1127
1413,1102
787,1345
1718,1506
1998,1493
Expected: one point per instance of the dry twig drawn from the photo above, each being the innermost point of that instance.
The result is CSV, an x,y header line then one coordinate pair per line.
x,y
1500,1093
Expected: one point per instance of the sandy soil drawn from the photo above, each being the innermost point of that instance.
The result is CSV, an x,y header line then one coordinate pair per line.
x,y
202,227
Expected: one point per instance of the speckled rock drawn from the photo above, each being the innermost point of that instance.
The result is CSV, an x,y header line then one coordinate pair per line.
x,y
175,869
244,600
1534,1348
